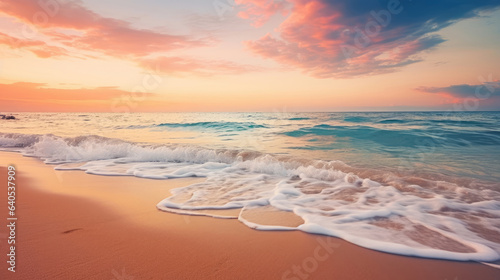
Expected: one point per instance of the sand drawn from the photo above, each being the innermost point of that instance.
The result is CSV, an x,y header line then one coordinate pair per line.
x,y
72,225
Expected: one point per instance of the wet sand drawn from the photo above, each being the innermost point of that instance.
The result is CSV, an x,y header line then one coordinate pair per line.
x,y
72,225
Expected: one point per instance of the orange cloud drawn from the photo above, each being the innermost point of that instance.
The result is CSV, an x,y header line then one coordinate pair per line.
x,y
39,48
180,66
107,35
39,91
37,97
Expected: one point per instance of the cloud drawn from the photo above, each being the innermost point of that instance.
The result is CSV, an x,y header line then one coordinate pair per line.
x,y
107,35
259,11
40,91
181,66
70,24
39,48
481,91
346,38
39,97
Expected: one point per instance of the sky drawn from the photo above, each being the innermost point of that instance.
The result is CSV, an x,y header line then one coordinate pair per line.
x,y
249,55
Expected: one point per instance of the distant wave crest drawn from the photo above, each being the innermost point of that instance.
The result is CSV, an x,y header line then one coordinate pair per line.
x,y
226,126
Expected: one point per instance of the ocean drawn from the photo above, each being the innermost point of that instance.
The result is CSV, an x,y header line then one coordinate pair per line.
x,y
421,184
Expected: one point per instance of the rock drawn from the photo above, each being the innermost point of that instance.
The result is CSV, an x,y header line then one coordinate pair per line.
x,y
5,117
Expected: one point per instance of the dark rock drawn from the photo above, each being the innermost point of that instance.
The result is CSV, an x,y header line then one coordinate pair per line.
x,y
5,117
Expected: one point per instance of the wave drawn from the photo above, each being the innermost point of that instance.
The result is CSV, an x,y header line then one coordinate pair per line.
x,y
357,119
299,119
402,137
226,126
391,213
439,122
393,121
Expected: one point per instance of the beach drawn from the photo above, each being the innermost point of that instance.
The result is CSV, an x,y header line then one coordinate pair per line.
x,y
250,139
73,225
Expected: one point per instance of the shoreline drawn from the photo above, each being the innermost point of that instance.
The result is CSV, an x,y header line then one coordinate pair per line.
x,y
74,225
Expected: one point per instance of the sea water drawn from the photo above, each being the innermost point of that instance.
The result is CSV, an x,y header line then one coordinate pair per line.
x,y
413,183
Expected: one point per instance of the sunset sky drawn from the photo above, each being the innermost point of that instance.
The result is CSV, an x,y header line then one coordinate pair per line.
x,y
249,55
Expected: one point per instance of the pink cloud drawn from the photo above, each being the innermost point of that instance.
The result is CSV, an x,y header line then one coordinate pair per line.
x,y
346,38
181,66
259,11
109,36
39,48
